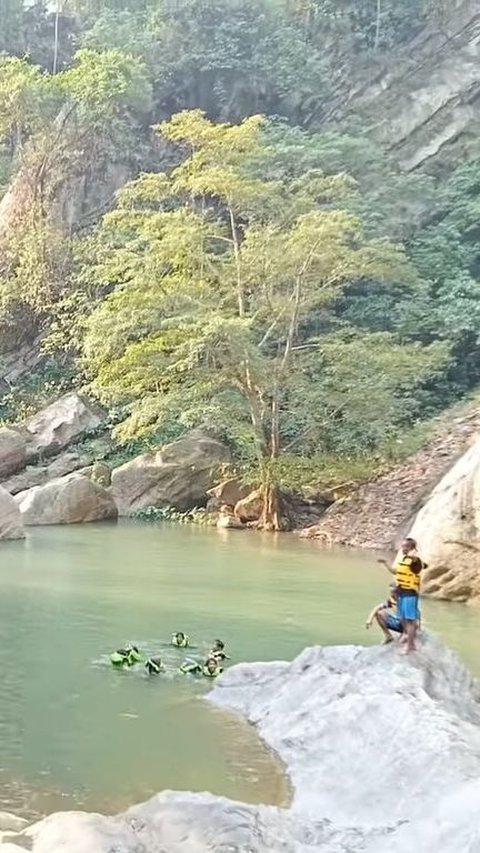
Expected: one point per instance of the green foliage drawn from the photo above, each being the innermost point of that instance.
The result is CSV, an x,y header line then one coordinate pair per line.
x,y
215,275
198,515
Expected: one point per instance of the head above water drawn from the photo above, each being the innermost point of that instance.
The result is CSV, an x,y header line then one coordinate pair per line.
x,y
180,636
211,664
218,645
408,545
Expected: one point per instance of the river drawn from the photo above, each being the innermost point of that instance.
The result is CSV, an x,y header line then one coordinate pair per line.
x,y
75,733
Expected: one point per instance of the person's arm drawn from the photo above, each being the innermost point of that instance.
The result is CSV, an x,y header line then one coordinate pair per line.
x,y
371,616
387,565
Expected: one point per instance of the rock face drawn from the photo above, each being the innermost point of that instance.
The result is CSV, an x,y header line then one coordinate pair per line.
x,y
68,500
61,423
13,451
424,103
383,753
179,475
447,529
11,526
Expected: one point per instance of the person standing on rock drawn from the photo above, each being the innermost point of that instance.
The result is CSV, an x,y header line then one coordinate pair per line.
x,y
407,573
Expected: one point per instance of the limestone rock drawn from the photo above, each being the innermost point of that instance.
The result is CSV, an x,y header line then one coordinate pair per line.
x,y
343,719
229,522
58,425
11,525
67,500
11,823
250,509
69,460
179,475
229,492
13,451
447,530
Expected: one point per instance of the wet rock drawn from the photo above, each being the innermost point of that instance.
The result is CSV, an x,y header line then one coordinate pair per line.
x,y
68,500
179,475
229,522
11,525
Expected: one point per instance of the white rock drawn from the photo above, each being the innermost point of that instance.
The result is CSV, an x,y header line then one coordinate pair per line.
x,y
447,530
13,451
11,525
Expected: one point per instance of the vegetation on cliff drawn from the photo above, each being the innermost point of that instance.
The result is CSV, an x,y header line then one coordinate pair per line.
x,y
266,269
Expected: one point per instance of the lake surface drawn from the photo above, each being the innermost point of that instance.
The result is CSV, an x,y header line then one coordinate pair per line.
x,y
76,733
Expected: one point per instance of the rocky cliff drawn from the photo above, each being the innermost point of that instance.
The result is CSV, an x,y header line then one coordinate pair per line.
x,y
383,753
424,100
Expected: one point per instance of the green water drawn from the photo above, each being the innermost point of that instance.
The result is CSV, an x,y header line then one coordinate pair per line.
x,y
76,733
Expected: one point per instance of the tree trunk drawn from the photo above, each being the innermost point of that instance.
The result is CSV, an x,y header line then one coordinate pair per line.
x,y
276,514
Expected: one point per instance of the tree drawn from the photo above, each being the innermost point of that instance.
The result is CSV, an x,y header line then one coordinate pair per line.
x,y
215,273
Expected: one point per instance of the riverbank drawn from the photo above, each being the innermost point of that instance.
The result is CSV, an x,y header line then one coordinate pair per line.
x,y
347,743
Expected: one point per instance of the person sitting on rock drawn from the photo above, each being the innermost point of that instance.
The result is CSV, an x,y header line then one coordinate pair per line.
x,y
385,614
218,651
407,573
180,640
154,666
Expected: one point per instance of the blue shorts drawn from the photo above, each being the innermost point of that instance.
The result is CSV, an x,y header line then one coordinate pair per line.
x,y
407,608
393,623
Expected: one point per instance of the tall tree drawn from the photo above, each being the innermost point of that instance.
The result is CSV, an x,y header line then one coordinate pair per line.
x,y
216,272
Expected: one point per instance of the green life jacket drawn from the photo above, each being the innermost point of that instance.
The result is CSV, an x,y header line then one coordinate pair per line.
x,y
206,672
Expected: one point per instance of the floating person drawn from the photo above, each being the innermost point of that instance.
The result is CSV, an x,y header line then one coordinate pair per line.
x,y
126,657
180,640
386,617
218,651
191,667
211,668
154,666
407,573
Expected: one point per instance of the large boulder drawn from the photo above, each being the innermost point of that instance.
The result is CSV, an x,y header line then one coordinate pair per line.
x,y
179,475
68,500
63,422
447,529
13,451
11,526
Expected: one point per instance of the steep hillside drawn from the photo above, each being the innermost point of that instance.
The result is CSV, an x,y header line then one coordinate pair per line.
x,y
379,513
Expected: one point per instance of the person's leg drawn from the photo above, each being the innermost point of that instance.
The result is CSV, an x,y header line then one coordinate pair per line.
x,y
411,631
382,625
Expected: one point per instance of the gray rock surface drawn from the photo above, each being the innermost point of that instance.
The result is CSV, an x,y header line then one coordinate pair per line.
x,y
11,525
383,752
67,500
178,474
447,529
58,425
13,451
